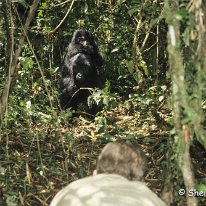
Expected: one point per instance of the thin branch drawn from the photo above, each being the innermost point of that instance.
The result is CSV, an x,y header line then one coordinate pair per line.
x,y
62,21
13,68
62,3
37,61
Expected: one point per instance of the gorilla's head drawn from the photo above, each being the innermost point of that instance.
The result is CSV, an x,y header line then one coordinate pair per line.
x,y
82,42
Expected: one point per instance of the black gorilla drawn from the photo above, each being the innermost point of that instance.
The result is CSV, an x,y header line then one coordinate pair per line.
x,y
80,69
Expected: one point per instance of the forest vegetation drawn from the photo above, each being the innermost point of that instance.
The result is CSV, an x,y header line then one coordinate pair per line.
x,y
154,63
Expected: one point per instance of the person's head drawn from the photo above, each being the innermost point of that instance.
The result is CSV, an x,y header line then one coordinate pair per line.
x,y
122,159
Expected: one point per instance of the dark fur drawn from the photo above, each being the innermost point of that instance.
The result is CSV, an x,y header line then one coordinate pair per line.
x,y
80,69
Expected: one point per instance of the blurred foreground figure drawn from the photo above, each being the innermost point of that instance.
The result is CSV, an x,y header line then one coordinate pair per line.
x,y
116,181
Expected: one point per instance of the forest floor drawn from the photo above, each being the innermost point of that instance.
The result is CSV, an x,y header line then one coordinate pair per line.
x,y
38,159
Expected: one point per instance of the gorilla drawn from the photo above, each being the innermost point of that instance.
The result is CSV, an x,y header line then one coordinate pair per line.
x,y
81,68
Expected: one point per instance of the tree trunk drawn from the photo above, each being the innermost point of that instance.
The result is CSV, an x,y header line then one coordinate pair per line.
x,y
184,131
13,69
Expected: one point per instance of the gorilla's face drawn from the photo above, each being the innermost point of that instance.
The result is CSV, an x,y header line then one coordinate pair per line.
x,y
84,41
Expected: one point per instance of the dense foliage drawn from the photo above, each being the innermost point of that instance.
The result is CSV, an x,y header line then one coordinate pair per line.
x,y
154,95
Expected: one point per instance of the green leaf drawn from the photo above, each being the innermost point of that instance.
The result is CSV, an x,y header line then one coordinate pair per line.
x,y
106,100
128,137
189,117
44,5
130,65
40,13
11,200
115,50
201,187
186,36
132,11
85,7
